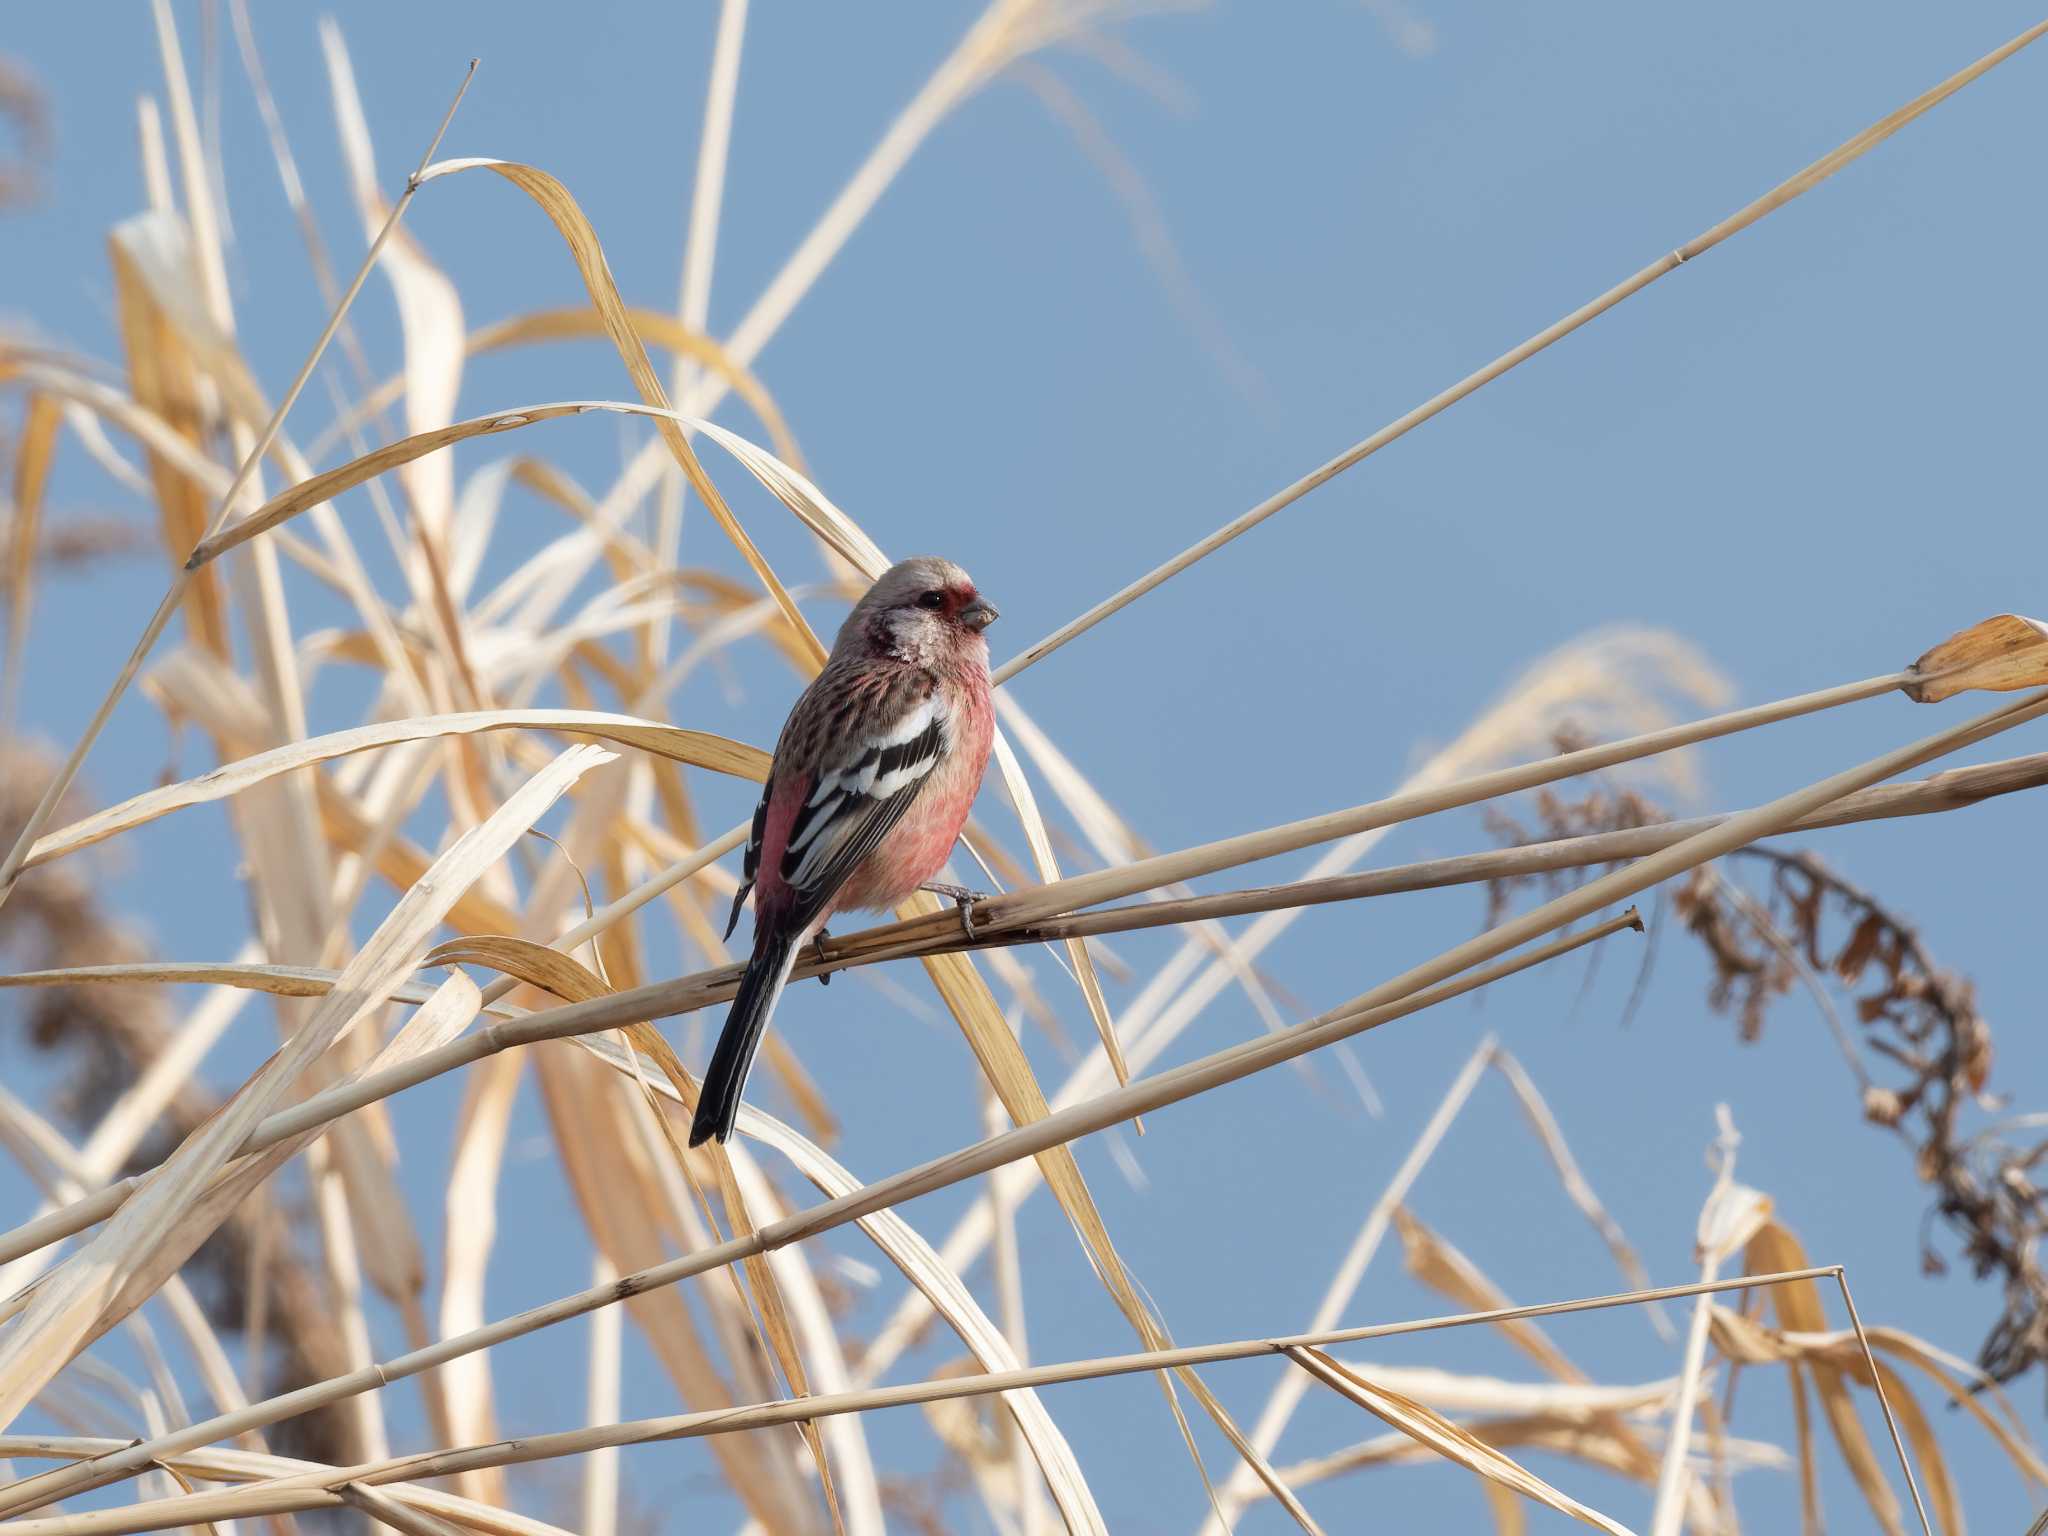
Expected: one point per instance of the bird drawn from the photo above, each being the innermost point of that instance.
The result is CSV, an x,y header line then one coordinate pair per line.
x,y
873,776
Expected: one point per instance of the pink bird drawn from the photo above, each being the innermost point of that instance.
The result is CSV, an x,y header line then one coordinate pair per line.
x,y
872,780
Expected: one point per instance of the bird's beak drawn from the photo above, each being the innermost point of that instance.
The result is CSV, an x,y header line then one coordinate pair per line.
x,y
979,614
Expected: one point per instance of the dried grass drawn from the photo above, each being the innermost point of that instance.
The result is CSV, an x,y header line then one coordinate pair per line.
x,y
704,1249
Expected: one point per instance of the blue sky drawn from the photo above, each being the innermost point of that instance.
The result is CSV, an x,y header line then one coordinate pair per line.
x,y
1811,454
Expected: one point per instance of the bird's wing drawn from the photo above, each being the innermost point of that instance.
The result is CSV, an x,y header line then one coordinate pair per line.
x,y
862,790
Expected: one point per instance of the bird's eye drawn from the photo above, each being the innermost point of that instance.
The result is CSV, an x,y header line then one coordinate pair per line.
x,y
931,599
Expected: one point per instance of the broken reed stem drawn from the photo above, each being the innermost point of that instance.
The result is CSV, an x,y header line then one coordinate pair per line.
x,y
940,933
982,1157
325,1487
402,1518
1884,1402
1734,224
60,783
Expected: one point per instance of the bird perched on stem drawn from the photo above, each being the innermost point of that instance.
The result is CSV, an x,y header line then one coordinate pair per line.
x,y
873,777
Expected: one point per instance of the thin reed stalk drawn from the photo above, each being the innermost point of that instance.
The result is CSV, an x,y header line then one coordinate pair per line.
x,y
1293,1385
994,1152
386,1510
1734,224
1674,1475
320,820
1206,859
1884,1404
1954,789
321,1488
1418,987
61,782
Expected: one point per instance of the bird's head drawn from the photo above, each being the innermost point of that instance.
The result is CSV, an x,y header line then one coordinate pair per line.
x,y
927,610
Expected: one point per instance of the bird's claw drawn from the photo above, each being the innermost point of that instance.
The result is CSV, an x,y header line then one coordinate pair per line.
x,y
818,950
963,899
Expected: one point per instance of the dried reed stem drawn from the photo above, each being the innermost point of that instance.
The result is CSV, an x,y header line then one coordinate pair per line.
x,y
1207,858
1289,1389
322,1487
1673,1475
60,783
700,244
700,247
402,1518
982,1157
1434,981
1954,789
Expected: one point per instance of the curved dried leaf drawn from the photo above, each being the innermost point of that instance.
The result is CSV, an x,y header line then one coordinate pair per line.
x,y
280,980
535,964
1941,1487
575,324
1799,1310
327,485
86,1292
662,330
699,748
581,238
1449,1440
2010,1437
565,976
1741,1339
795,491
791,488
37,446
1731,1216
1443,1268
925,1269
1040,842
2004,652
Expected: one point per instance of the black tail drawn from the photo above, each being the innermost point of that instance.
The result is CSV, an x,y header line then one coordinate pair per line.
x,y
718,1105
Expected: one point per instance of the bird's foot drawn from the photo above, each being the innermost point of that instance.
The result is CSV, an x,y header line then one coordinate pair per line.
x,y
963,899
818,951
962,894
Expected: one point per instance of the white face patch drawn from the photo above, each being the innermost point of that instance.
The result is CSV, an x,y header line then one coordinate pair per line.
x,y
917,636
